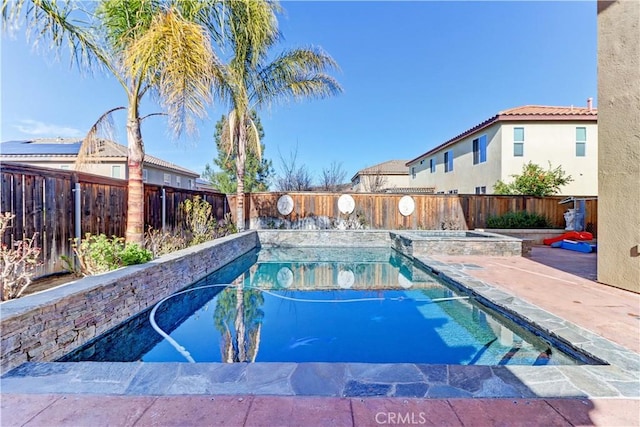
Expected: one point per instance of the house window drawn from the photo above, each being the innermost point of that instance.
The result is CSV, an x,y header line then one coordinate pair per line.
x,y
448,161
581,142
167,178
518,142
191,186
453,191
480,150
481,190
178,181
64,167
145,175
432,165
115,171
413,172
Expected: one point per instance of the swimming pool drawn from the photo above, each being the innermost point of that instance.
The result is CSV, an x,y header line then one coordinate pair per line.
x,y
369,305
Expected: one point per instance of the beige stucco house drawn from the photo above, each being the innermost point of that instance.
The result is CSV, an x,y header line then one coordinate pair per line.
x,y
378,178
473,161
109,159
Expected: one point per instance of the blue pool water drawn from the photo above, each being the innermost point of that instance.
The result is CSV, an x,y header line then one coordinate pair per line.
x,y
308,305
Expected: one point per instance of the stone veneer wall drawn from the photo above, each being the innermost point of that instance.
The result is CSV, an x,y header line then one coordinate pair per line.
x,y
46,325
536,236
325,238
429,243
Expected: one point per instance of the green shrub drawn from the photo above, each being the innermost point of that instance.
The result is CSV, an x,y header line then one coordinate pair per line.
x,y
535,181
134,254
99,254
520,219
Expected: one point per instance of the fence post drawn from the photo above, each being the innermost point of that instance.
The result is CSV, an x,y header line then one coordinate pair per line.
x,y
77,198
163,195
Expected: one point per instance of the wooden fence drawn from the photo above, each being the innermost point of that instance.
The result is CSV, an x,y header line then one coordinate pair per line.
x,y
432,211
42,201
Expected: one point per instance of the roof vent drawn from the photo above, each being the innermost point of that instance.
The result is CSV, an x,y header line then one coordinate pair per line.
x,y
590,104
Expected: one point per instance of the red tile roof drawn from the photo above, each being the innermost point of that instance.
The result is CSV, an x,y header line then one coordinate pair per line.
x,y
545,110
523,113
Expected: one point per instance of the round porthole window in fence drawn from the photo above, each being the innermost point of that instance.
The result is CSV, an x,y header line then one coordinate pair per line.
x,y
346,204
285,204
406,205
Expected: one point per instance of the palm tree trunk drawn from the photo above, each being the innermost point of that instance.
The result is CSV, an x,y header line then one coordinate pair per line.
x,y
135,198
240,163
239,323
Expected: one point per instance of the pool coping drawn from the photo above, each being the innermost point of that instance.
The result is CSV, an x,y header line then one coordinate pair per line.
x,y
619,379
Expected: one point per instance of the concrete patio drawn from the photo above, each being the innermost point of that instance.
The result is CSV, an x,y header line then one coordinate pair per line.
x,y
557,281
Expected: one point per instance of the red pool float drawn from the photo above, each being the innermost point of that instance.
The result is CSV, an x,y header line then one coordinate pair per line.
x,y
570,235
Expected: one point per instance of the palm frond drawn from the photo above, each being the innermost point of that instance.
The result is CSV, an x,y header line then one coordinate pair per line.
x,y
299,74
251,28
123,21
102,129
50,22
227,136
253,138
179,55
207,13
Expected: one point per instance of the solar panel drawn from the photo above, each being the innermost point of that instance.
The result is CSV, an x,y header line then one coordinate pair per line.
x,y
32,148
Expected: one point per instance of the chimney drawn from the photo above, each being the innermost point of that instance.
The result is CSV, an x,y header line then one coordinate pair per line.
x,y
590,104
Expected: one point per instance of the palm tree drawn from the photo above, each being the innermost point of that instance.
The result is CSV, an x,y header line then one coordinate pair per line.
x,y
242,308
148,46
249,81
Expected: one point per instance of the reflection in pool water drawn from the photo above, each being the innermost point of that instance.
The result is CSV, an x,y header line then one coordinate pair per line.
x,y
361,305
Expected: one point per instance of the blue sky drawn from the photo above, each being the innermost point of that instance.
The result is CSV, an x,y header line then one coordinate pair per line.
x,y
414,75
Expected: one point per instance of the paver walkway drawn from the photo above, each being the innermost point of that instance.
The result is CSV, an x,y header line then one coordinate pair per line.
x,y
562,282
268,411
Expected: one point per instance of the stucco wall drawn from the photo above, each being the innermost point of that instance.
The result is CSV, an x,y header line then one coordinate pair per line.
x,y
46,325
465,176
555,142
619,136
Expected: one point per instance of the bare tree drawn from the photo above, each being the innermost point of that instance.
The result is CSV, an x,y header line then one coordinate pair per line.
x,y
293,177
375,182
332,177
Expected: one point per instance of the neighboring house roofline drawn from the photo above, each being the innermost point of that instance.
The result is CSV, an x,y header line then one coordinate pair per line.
x,y
523,113
390,167
113,152
411,190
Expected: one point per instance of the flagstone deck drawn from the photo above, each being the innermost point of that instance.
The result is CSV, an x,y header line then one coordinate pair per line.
x,y
560,283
